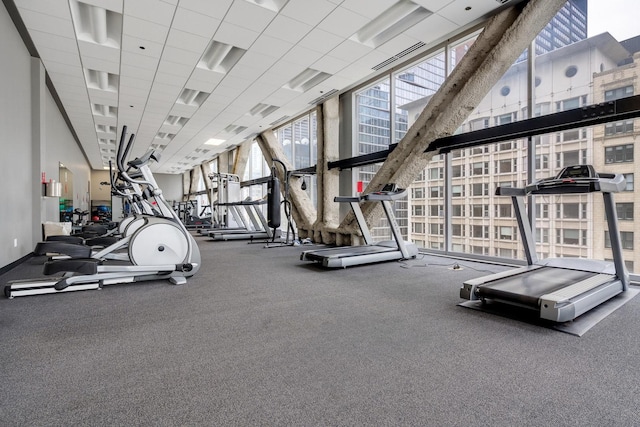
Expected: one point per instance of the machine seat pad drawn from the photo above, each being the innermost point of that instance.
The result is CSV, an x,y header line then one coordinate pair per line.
x,y
76,240
80,266
70,249
102,241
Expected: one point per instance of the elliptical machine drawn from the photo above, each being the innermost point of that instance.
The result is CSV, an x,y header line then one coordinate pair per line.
x,y
160,249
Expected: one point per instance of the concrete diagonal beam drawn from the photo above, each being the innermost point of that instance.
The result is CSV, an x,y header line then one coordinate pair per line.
x,y
503,39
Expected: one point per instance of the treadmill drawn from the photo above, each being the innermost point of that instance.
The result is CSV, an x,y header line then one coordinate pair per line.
x,y
370,252
559,289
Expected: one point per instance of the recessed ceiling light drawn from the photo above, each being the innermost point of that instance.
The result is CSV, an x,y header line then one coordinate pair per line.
x,y
215,141
142,47
467,8
131,106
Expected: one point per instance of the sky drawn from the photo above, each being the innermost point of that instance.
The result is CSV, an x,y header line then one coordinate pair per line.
x,y
621,18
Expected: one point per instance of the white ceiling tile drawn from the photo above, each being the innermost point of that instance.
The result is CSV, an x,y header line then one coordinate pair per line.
x,y
100,98
150,10
456,12
309,12
369,8
164,79
93,50
138,73
278,47
141,61
50,55
173,54
301,56
349,51
135,44
397,44
203,85
236,36
47,23
101,65
343,22
247,72
51,41
187,41
217,9
433,5
329,64
66,78
434,28
138,84
144,30
195,23
113,5
248,15
320,41
287,29
182,110
181,71
54,8
270,46
57,67
282,96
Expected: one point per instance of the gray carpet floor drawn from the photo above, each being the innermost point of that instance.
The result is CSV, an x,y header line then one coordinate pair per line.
x,y
261,338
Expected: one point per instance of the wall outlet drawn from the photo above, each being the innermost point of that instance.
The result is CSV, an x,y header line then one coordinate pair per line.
x,y
15,243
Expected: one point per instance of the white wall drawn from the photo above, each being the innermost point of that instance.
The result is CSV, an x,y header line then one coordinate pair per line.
x,y
15,144
171,186
33,139
61,147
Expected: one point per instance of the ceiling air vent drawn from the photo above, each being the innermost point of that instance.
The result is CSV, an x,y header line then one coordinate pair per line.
x,y
192,97
262,110
281,119
95,24
105,129
503,1
176,121
273,5
235,129
101,80
165,136
104,110
327,95
403,15
306,80
220,57
398,56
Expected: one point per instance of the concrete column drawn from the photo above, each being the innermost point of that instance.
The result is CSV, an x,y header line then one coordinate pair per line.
x,y
302,209
503,39
242,158
328,180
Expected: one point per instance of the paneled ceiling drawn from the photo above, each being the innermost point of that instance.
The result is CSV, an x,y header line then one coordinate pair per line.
x,y
193,78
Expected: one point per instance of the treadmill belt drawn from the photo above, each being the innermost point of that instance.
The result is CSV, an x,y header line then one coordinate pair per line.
x,y
527,288
347,251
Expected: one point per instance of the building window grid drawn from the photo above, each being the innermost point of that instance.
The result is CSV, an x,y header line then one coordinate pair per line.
x,y
543,163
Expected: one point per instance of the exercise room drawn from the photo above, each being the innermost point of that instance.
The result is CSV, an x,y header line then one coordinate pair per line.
x,y
328,212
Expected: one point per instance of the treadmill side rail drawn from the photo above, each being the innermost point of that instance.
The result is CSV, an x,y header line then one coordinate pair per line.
x,y
568,303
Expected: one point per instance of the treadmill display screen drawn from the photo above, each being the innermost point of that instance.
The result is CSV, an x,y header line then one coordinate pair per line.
x,y
580,171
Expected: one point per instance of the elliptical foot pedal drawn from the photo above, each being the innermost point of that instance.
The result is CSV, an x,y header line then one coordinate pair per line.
x,y
80,266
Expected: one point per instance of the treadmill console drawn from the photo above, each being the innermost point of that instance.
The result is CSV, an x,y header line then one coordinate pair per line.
x,y
578,171
389,192
571,179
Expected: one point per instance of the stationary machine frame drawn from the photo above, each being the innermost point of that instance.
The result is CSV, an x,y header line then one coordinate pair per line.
x,y
161,248
370,252
559,289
